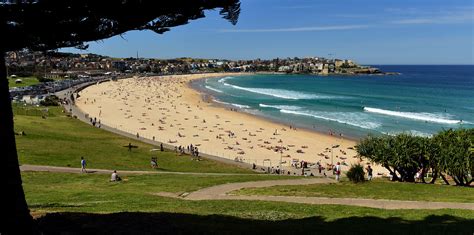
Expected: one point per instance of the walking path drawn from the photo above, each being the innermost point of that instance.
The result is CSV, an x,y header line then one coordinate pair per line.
x,y
105,171
223,192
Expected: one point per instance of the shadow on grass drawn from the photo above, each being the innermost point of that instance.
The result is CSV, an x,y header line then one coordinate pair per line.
x,y
177,223
52,205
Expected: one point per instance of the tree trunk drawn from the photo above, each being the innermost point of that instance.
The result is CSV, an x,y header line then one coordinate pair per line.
x,y
456,180
15,213
399,178
423,173
444,178
434,176
394,176
466,181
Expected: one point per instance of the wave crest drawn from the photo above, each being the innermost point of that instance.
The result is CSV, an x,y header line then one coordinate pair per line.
x,y
427,117
242,106
352,119
222,80
283,94
287,107
213,89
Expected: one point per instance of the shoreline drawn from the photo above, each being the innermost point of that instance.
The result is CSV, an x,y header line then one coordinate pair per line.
x,y
192,85
183,117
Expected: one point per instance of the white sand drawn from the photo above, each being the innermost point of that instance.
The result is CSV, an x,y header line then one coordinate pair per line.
x,y
168,109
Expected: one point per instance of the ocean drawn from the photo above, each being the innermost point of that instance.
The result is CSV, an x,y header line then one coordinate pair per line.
x,y
422,100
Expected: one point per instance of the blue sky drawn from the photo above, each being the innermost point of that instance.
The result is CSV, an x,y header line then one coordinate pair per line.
x,y
367,31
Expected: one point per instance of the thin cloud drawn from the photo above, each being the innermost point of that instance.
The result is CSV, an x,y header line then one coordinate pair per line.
x,y
446,19
296,7
437,16
296,29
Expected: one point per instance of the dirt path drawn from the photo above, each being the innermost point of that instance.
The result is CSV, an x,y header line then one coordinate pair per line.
x,y
221,192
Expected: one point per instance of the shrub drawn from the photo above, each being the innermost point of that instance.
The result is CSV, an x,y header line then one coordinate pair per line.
x,y
356,173
43,79
51,100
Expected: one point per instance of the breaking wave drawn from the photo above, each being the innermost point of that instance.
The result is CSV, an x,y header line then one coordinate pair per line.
x,y
222,80
283,94
352,119
411,132
427,117
287,107
213,89
242,106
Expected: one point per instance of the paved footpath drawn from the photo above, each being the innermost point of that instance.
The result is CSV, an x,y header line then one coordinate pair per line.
x,y
223,192
105,171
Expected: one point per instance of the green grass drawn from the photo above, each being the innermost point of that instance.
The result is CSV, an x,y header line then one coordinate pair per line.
x,y
94,192
87,193
26,81
21,109
88,202
376,189
61,141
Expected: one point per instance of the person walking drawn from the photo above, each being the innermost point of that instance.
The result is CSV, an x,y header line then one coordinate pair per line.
x,y
369,172
83,165
337,170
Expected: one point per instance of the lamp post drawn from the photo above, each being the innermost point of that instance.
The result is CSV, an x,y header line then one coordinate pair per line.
x,y
281,156
332,153
332,161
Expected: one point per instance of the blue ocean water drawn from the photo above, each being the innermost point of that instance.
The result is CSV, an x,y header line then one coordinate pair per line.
x,y
422,100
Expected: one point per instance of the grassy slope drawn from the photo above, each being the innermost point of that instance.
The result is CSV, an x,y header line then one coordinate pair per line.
x,y
27,81
61,141
85,193
94,192
377,189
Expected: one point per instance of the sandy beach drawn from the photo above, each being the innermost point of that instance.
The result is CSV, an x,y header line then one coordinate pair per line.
x,y
168,110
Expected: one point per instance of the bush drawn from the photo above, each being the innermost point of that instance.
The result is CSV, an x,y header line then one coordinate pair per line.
x,y
51,100
43,79
356,173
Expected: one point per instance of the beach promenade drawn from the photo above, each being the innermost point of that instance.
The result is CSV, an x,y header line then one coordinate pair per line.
x,y
165,109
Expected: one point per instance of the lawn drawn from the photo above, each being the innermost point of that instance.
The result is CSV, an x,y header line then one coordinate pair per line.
x,y
90,202
26,81
94,193
59,140
376,189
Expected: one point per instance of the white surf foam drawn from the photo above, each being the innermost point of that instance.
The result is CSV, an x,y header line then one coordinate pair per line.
x,y
411,132
428,117
222,80
242,106
352,119
287,107
280,93
213,89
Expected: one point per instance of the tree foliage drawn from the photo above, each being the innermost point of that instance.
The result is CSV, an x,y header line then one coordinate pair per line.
x,y
455,157
448,152
356,173
51,24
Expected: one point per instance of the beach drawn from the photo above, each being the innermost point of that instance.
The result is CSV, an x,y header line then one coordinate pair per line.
x,y
166,109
